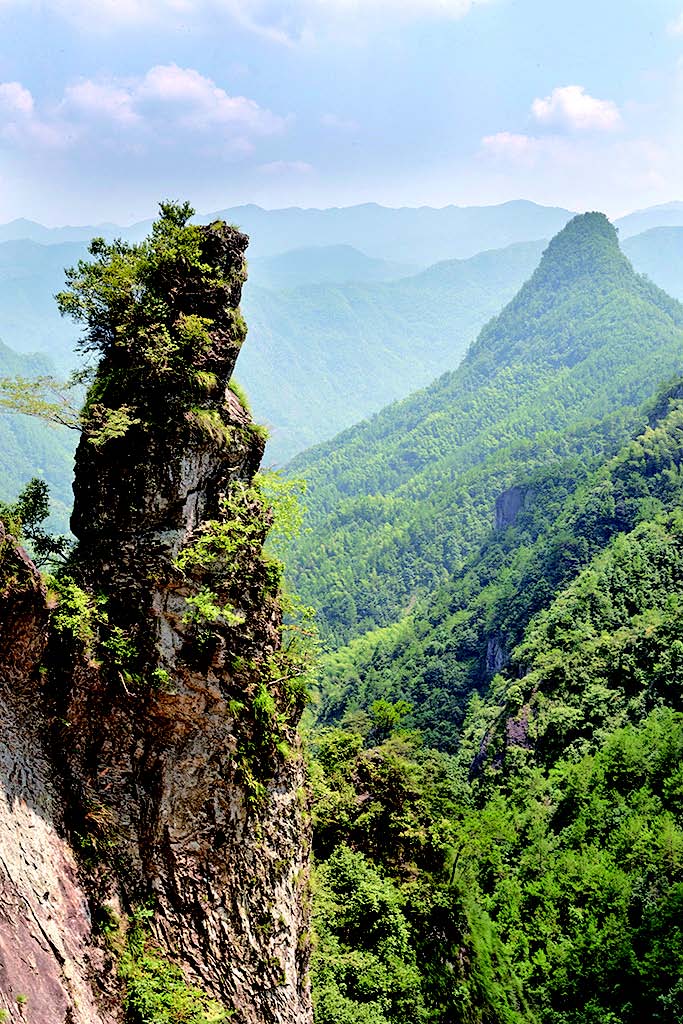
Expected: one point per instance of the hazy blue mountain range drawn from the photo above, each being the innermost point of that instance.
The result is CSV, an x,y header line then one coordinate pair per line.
x,y
320,358
664,215
22,229
407,235
343,321
424,235
320,263
30,274
659,254
413,236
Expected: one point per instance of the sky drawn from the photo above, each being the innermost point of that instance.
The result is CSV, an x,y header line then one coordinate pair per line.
x,y
107,106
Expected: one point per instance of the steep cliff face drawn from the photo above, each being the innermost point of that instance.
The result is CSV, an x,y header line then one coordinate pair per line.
x,y
46,954
175,701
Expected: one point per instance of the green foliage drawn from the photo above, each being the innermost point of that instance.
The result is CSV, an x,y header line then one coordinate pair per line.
x,y
156,989
364,967
537,857
210,423
106,424
24,518
550,847
203,607
77,613
284,496
439,655
221,547
399,502
132,301
44,398
386,717
239,393
81,618
121,651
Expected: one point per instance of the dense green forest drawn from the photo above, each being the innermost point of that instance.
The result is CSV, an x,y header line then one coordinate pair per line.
x,y
400,501
498,824
504,843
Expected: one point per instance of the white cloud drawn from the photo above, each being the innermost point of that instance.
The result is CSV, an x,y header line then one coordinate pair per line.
x,y
412,8
100,99
283,21
101,14
15,99
200,104
166,105
302,21
19,122
571,107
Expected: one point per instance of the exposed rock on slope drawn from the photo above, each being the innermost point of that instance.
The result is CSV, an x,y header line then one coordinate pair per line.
x,y
45,950
176,702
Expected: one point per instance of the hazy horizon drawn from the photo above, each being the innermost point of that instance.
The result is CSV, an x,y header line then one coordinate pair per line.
x,y
342,206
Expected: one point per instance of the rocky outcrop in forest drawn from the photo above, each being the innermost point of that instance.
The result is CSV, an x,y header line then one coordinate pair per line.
x,y
159,706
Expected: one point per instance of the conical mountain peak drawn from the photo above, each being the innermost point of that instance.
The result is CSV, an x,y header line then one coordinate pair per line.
x,y
553,317
587,246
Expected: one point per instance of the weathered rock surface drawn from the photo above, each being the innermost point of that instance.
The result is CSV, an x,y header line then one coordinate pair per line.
x,y
46,951
179,760
508,506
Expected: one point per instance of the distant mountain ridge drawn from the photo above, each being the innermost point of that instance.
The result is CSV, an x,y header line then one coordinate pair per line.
x,y
664,215
388,337
337,319
659,254
412,235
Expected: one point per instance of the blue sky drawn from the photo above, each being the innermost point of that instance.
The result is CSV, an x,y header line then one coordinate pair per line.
x,y
108,105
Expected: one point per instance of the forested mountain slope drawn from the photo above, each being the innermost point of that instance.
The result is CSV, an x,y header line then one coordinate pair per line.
x,y
30,448
535,877
324,356
398,502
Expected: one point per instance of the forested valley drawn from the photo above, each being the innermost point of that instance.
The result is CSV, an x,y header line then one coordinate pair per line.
x,y
494,730
496,737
